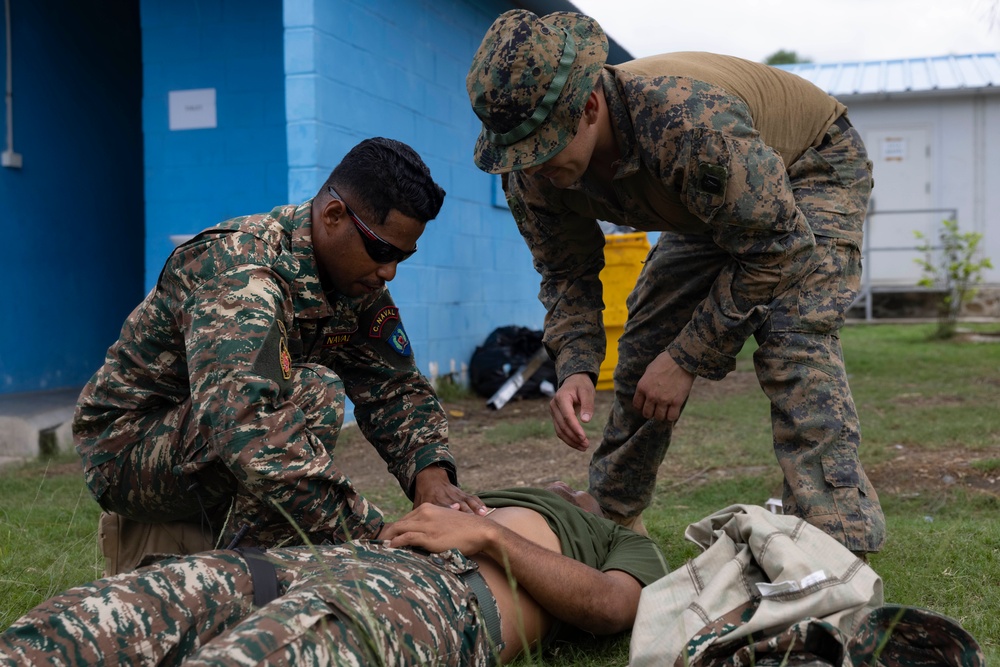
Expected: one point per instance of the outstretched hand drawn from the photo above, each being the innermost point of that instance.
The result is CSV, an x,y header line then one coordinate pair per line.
x,y
663,389
433,486
571,407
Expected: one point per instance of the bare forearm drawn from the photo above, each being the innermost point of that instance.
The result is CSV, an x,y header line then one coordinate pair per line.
x,y
595,601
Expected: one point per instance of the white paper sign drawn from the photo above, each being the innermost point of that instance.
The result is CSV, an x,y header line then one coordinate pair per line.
x,y
894,148
192,109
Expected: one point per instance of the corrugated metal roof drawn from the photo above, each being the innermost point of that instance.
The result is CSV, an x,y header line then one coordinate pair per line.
x,y
975,73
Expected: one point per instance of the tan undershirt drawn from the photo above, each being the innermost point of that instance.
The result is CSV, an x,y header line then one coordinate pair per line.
x,y
790,113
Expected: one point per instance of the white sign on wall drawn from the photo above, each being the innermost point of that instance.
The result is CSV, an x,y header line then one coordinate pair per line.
x,y
192,109
894,148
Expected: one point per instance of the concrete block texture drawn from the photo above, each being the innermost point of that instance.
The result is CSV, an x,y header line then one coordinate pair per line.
x,y
36,423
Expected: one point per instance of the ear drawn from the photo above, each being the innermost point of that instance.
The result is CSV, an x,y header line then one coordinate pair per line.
x,y
593,107
333,212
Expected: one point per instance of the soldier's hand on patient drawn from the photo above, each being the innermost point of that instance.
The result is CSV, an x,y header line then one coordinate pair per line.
x,y
663,389
433,486
576,393
436,528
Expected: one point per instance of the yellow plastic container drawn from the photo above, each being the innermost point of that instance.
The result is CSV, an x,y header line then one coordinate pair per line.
x,y
623,257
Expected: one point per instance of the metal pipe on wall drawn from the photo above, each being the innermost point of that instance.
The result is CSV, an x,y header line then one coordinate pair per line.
x,y
9,158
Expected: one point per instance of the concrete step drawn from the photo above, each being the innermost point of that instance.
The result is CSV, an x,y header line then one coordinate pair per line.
x,y
36,423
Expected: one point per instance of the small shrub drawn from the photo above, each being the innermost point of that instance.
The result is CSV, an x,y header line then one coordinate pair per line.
x,y
449,390
956,270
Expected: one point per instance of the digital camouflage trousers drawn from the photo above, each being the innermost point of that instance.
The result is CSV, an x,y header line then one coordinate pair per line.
x,y
799,363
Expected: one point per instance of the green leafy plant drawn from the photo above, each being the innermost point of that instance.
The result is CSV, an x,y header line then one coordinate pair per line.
x,y
448,388
954,266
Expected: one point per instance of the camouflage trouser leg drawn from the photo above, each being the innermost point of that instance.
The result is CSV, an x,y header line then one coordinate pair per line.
x,y
153,616
816,438
166,475
319,393
172,474
800,364
365,604
677,275
353,604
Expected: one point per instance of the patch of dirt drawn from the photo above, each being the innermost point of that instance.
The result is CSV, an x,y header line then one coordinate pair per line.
x,y
536,459
977,337
539,457
916,471
487,459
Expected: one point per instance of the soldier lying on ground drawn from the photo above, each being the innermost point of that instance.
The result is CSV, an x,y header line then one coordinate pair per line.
x,y
225,391
410,598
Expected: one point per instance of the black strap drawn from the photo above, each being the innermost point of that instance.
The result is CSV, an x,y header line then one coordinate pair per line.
x,y
487,607
263,575
843,123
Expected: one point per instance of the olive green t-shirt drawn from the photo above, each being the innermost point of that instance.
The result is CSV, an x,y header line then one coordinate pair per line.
x,y
588,538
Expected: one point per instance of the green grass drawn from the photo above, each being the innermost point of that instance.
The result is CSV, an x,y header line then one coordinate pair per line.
x,y
943,551
449,390
48,538
987,465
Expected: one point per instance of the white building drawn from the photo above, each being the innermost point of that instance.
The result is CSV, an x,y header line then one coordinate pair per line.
x,y
932,127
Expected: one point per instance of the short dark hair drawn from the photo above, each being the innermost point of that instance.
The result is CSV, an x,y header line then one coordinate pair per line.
x,y
385,174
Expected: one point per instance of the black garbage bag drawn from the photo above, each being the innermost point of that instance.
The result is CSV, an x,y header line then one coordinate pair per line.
x,y
504,351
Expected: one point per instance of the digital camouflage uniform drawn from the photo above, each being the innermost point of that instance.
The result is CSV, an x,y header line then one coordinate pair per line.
x,y
362,603
224,395
757,239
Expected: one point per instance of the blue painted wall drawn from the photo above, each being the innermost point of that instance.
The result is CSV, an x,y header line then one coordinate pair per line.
x,y
198,178
106,183
71,218
397,68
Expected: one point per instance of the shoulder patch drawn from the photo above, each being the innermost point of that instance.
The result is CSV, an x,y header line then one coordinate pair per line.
x,y
712,178
381,321
284,358
273,360
400,342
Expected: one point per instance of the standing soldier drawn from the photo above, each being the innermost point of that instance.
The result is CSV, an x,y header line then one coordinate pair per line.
x,y
759,185
221,403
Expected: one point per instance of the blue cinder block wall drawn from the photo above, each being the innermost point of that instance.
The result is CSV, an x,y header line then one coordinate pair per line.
x,y
396,68
71,217
106,183
196,178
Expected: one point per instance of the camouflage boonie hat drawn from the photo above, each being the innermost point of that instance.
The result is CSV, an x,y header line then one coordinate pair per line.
x,y
529,82
899,636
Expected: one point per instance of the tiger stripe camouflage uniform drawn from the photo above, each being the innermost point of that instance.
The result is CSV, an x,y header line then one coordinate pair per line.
x,y
225,392
760,197
358,604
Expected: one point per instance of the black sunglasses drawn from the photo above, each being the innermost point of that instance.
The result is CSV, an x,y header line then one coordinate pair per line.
x,y
378,248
